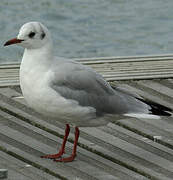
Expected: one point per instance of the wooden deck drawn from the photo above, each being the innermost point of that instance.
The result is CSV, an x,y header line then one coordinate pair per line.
x,y
130,149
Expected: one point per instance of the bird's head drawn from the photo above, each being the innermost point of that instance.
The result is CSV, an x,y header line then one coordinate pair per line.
x,y
32,35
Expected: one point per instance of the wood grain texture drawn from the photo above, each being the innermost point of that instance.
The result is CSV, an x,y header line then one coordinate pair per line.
x,y
125,149
112,68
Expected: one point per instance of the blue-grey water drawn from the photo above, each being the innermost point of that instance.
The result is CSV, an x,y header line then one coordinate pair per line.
x,y
92,28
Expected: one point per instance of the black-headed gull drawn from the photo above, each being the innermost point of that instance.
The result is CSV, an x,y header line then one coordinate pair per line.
x,y
70,92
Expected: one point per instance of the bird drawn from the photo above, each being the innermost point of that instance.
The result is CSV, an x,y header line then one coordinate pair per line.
x,y
72,93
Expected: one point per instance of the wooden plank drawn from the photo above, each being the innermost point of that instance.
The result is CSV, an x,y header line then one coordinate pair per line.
x,y
145,77
166,82
152,128
121,71
81,167
10,66
78,160
18,169
131,65
132,74
139,140
155,93
149,131
18,138
133,148
133,86
112,68
9,83
158,87
122,157
127,58
15,81
33,160
91,155
116,66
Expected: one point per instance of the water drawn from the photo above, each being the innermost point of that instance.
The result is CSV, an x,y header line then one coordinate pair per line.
x,y
92,28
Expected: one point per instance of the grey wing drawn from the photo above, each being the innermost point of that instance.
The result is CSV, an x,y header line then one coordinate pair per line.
x,y
88,88
125,90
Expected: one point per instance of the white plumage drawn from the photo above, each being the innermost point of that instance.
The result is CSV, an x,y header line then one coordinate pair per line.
x,y
68,91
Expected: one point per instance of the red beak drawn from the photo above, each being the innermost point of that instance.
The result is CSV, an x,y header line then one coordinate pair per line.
x,y
13,41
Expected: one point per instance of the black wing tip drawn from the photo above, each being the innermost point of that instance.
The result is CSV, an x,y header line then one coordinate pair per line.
x,y
160,112
157,109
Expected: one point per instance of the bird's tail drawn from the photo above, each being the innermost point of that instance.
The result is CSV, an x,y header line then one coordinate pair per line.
x,y
155,110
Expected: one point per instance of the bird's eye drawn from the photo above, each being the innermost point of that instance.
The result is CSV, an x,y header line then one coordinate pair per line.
x,y
31,34
43,35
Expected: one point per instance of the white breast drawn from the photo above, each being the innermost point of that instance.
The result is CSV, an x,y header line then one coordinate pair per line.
x,y
45,100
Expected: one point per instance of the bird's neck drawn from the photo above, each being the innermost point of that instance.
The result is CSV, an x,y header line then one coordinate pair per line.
x,y
37,58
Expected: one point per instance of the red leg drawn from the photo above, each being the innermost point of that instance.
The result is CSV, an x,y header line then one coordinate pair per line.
x,y
62,149
73,155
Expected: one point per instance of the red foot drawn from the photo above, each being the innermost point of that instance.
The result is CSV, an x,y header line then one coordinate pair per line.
x,y
62,150
73,155
52,156
68,159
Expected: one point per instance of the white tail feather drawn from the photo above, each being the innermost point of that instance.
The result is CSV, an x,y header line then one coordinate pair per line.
x,y
145,116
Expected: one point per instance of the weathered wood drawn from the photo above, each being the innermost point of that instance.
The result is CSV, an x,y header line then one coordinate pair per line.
x,y
53,128
112,68
129,58
128,148
18,169
107,152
